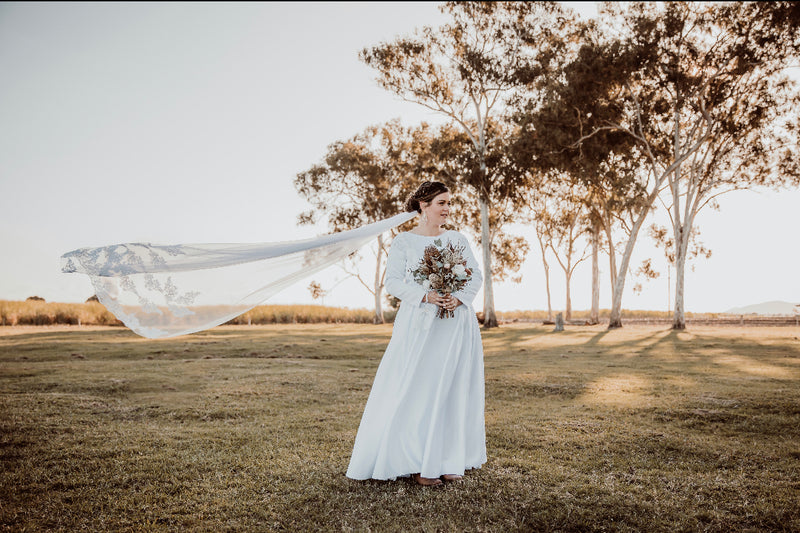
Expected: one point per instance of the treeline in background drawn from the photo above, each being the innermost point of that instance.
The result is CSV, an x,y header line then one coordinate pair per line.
x,y
36,312
579,129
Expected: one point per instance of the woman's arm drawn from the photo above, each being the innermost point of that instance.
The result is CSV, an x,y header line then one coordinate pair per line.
x,y
467,294
396,285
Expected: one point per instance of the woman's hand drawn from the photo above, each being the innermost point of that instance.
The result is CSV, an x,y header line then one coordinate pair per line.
x,y
448,301
451,302
434,297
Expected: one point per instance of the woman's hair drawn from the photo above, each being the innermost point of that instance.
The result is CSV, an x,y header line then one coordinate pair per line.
x,y
425,193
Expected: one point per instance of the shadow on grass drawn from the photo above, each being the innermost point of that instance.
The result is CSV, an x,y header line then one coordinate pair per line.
x,y
293,341
641,429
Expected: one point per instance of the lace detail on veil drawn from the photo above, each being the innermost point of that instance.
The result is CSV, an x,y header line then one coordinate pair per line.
x,y
164,291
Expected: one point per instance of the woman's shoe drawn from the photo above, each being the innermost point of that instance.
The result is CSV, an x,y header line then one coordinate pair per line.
x,y
427,481
451,477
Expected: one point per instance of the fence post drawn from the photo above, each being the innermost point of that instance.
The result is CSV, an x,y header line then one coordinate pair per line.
x,y
559,323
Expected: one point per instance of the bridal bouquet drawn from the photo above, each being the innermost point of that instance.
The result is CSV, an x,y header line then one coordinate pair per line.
x,y
444,270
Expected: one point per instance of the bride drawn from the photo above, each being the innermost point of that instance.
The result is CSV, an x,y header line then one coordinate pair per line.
x,y
424,416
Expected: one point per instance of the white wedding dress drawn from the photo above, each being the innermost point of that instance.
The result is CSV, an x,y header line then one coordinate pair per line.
x,y
425,411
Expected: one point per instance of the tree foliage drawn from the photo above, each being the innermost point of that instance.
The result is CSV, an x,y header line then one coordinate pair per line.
x,y
681,102
466,70
362,180
591,126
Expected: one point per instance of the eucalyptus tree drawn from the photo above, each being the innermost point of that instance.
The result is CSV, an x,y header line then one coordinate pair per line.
x,y
579,113
695,91
465,70
362,180
317,292
567,225
702,91
368,177
725,67
542,224
452,159
663,239
545,150
558,217
606,167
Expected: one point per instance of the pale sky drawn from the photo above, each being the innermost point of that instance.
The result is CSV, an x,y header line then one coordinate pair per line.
x,y
180,123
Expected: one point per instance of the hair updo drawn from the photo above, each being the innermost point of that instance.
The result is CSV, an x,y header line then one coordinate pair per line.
x,y
425,193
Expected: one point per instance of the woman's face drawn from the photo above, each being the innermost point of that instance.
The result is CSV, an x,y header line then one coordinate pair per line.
x,y
438,209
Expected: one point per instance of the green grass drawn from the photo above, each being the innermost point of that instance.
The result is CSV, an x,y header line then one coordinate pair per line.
x,y
251,428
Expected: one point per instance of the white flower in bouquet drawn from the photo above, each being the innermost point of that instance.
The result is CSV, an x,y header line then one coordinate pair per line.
x,y
460,271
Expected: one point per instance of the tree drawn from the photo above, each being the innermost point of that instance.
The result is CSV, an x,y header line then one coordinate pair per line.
x,y
700,90
464,70
618,89
662,238
454,158
361,180
317,292
542,222
724,66
561,223
606,166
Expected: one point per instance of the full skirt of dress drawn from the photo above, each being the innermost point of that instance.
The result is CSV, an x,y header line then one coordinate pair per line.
x,y
425,412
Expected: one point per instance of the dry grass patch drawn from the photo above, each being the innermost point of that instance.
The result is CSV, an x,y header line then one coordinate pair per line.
x,y
639,429
41,313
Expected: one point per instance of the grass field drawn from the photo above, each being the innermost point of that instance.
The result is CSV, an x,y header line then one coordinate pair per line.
x,y
251,428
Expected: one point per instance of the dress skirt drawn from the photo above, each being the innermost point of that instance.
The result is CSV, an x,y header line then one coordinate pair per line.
x,y
425,412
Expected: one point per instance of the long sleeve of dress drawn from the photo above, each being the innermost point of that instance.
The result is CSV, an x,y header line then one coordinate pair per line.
x,y
467,294
409,292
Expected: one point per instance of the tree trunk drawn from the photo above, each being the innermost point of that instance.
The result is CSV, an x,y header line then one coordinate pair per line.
x,y
489,316
378,318
679,318
681,251
568,271
612,257
568,310
615,320
594,315
547,283
546,278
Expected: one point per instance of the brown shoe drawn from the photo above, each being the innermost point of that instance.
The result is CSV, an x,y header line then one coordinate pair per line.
x,y
427,481
451,477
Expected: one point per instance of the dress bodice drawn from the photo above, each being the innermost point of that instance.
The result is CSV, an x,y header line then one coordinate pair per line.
x,y
405,254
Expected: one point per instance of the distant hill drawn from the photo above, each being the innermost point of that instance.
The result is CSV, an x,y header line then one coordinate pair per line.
x,y
776,307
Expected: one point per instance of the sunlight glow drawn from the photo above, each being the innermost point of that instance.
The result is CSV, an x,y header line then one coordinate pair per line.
x,y
621,391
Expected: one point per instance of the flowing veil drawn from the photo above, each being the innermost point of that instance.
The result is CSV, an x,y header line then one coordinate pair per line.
x,y
164,291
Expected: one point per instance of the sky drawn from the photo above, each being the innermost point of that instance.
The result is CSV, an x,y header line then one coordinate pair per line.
x,y
187,122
